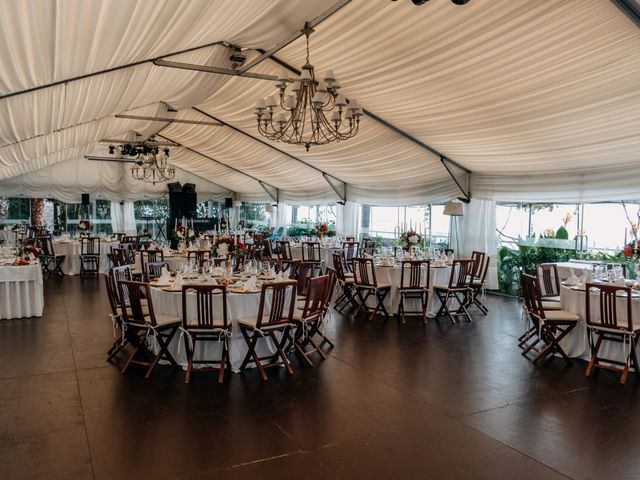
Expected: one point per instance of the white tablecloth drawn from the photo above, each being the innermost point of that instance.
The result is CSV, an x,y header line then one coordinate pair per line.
x,y
174,261
71,264
326,253
21,291
564,269
239,306
576,344
391,275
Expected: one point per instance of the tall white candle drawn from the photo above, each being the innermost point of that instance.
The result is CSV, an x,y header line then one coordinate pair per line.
x,y
176,225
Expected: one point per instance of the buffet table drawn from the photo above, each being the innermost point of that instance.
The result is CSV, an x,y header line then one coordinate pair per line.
x,y
576,344
71,248
21,291
239,306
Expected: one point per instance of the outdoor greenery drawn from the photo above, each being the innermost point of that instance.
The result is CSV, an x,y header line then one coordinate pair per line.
x,y
512,261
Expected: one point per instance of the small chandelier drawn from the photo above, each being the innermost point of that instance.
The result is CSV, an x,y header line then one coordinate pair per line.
x,y
302,117
151,167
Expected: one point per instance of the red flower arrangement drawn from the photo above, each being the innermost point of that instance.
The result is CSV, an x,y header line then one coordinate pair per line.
x,y
226,245
632,250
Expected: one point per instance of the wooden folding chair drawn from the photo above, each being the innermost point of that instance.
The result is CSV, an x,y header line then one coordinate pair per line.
x,y
345,283
149,256
366,284
311,252
51,262
306,271
285,255
350,249
549,281
142,320
89,255
608,323
551,326
154,269
308,320
277,320
206,327
199,256
457,290
414,284
477,286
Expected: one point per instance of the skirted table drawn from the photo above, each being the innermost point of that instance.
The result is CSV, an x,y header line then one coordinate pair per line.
x,y
71,248
21,291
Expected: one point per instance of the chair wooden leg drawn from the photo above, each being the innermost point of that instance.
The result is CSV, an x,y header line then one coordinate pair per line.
x,y
279,346
223,362
190,353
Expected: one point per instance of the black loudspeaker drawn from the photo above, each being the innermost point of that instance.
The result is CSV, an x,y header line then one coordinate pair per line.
x,y
190,204
85,199
228,203
189,188
174,187
176,205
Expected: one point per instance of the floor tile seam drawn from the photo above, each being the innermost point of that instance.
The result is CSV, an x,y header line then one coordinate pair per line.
x,y
75,371
395,388
524,454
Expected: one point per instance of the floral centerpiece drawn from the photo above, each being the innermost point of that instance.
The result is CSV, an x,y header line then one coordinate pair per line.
x,y
227,246
322,229
183,234
632,249
409,239
27,253
84,226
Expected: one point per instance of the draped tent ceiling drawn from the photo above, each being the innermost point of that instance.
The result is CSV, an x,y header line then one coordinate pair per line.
x,y
539,100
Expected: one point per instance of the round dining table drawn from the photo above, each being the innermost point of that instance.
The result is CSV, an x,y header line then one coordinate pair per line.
x,y
71,248
239,306
576,343
21,291
391,274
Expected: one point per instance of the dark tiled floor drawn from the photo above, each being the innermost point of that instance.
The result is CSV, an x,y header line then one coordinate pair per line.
x,y
391,402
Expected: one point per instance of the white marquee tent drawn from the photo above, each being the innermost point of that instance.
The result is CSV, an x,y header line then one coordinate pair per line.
x,y
538,100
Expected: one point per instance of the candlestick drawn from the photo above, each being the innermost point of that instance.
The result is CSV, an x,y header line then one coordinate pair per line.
x,y
176,224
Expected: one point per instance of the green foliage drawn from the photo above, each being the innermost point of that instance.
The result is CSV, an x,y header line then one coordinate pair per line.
x,y
562,234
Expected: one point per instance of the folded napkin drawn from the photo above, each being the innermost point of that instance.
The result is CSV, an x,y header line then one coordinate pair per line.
x,y
250,285
573,279
619,281
587,277
167,251
165,276
218,271
179,281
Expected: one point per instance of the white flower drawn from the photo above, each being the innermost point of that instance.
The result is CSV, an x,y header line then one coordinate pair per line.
x,y
413,239
223,249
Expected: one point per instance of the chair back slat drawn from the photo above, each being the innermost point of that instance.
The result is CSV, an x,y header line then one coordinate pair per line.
x,y
340,265
548,278
316,295
478,259
350,249
413,272
311,252
306,271
460,273
90,246
134,310
280,293
205,295
609,297
364,273
285,249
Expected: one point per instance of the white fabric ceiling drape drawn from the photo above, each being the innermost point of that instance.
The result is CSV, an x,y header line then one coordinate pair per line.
x,y
539,100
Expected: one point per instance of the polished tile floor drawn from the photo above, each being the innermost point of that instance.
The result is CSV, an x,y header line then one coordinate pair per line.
x,y
391,402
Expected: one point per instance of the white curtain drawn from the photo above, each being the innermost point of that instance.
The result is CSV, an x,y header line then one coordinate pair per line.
x,y
348,219
281,218
476,230
123,219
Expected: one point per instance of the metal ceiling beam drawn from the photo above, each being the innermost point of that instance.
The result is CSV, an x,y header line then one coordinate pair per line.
x,y
109,70
167,120
292,38
261,182
209,69
443,158
292,157
630,8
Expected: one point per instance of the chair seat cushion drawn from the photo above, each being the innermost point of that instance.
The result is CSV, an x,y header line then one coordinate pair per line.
x,y
553,298
550,306
561,315
165,320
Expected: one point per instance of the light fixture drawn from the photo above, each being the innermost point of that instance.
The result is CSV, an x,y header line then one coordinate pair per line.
x,y
311,112
453,209
151,167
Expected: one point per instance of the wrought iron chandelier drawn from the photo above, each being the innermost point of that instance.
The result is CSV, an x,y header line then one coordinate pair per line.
x,y
151,166
304,107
